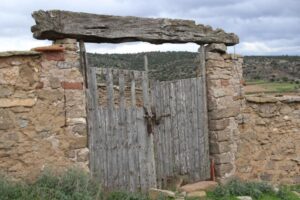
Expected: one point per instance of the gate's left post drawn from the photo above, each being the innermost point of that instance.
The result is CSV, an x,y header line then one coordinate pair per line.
x,y
75,102
42,111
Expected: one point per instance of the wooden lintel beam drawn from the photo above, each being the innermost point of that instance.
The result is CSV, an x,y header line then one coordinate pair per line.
x,y
57,24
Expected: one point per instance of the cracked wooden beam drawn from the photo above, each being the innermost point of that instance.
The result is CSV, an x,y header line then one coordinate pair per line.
x,y
56,24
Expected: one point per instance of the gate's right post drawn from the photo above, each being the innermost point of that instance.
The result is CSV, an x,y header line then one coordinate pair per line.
x,y
224,92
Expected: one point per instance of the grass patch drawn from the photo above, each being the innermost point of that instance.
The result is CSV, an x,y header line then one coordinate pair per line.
x,y
77,185
72,185
280,87
255,82
271,87
257,190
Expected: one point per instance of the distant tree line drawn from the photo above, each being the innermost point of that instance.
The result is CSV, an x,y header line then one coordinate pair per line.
x,y
179,65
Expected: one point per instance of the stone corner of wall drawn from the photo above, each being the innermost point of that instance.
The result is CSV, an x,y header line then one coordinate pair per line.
x,y
225,97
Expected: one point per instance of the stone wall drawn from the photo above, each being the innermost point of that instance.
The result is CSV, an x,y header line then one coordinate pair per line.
x,y
224,94
42,110
269,141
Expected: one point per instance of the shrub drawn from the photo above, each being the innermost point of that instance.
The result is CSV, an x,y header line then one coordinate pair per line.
x,y
72,185
257,190
239,188
285,79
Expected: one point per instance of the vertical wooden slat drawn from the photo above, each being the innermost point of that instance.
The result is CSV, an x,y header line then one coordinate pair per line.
x,y
182,127
123,139
194,135
130,128
205,155
174,138
162,135
111,130
134,155
149,142
93,115
145,137
104,137
157,156
117,150
188,125
142,140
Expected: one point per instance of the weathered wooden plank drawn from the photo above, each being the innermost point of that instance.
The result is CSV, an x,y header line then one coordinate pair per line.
x,y
135,135
93,115
161,136
165,134
130,126
205,155
117,162
111,129
181,117
175,131
174,134
123,139
104,138
142,143
157,133
188,125
56,24
194,141
149,136
167,128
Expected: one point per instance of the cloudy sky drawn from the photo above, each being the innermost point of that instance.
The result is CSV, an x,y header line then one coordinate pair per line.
x,y
265,27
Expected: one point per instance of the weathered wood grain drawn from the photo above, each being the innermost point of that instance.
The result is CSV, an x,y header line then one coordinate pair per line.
x,y
128,157
57,24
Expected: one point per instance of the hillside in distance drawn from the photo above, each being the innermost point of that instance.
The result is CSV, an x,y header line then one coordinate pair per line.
x,y
179,65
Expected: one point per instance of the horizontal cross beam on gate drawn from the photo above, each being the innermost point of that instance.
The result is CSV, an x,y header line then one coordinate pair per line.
x,y
56,24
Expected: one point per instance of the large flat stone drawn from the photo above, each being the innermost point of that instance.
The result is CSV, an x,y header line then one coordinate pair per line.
x,y
12,102
220,124
197,194
199,186
261,99
244,198
224,112
219,147
220,48
19,53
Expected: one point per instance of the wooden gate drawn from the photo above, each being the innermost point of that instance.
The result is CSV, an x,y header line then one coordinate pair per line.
x,y
180,137
141,136
121,148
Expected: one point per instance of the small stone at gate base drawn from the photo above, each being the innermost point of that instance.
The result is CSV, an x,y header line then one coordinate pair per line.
x,y
244,198
156,193
199,194
199,186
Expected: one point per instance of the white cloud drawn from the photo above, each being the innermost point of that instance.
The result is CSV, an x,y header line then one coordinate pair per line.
x,y
20,43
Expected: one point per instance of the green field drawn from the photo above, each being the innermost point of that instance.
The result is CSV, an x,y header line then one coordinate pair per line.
x,y
261,86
